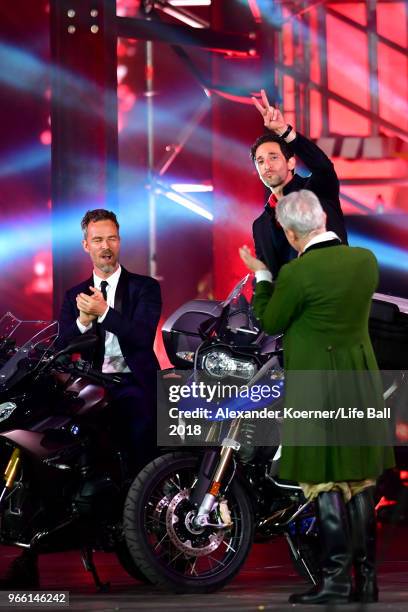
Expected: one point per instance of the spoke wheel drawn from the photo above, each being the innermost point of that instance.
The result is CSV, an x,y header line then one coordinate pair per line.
x,y
164,541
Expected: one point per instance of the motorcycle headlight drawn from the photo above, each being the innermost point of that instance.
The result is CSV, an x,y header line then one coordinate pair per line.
x,y
6,410
220,365
186,355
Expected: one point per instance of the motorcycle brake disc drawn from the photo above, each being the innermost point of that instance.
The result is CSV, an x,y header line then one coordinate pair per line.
x,y
179,525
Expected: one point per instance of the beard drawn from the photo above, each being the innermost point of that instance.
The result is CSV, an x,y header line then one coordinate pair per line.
x,y
107,266
273,181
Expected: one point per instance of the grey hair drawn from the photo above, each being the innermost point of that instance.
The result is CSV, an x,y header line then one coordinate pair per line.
x,y
301,212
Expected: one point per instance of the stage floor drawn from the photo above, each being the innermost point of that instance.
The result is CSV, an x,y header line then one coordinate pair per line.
x,y
264,583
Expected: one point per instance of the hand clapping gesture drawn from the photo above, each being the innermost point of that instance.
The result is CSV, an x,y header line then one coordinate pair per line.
x,y
90,306
250,261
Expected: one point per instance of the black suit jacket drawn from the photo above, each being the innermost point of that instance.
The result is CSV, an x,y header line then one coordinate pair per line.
x,y
133,320
271,245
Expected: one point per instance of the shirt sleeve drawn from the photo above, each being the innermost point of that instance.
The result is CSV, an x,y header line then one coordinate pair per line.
x,y
263,275
102,317
83,328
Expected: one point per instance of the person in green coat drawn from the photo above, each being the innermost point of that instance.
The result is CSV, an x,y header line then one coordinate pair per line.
x,y
321,302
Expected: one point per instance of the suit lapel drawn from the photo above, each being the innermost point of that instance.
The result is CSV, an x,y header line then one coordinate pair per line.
x,y
88,283
268,230
121,290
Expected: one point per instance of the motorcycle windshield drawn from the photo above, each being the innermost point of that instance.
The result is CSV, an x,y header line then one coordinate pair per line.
x,y
236,292
23,347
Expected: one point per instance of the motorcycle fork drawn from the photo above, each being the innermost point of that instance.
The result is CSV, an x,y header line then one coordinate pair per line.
x,y
10,475
208,465
229,446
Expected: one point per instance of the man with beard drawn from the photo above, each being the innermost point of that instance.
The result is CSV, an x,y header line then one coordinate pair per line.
x,y
123,310
273,154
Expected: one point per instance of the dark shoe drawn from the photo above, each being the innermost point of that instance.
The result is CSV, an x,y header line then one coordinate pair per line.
x,y
335,586
22,573
361,511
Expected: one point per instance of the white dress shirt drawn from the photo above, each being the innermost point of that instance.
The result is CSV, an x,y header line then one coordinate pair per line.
x,y
113,359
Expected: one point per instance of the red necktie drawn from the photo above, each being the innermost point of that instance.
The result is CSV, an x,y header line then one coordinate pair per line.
x,y
273,201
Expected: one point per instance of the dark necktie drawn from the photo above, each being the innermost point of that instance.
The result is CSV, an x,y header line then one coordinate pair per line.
x,y
104,284
100,349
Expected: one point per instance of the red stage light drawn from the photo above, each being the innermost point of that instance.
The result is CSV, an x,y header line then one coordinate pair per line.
x,y
255,10
45,137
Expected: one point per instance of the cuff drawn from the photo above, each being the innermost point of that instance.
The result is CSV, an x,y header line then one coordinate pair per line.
x,y
263,275
83,328
102,317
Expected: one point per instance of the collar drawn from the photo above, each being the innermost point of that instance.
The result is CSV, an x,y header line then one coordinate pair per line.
x,y
112,280
323,237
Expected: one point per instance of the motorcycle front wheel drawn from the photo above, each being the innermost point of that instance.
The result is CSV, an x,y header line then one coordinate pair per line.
x,y
126,561
161,536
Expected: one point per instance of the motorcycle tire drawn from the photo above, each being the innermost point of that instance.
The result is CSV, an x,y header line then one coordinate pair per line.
x,y
165,545
126,561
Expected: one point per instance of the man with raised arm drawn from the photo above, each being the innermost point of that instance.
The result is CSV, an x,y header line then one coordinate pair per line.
x,y
273,154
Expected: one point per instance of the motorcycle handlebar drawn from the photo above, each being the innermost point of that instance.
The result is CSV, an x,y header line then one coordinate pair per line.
x,y
84,367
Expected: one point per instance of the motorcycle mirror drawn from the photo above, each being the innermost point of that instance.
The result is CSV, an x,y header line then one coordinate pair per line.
x,y
78,344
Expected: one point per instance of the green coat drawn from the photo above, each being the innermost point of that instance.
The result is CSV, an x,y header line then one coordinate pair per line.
x,y
321,303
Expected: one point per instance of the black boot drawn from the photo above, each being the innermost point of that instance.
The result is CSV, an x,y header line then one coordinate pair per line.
x,y
361,511
335,586
22,573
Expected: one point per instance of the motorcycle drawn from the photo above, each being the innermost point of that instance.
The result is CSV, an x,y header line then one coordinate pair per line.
x,y
64,482
192,515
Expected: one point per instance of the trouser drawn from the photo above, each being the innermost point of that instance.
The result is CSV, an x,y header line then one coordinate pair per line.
x,y
133,421
347,488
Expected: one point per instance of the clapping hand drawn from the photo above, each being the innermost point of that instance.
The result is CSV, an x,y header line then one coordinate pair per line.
x,y
90,306
251,262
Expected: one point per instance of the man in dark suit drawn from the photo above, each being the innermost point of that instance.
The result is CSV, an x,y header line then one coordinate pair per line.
x,y
273,154
123,309
321,303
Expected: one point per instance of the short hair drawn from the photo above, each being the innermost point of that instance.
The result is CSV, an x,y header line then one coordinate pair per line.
x,y
98,214
269,137
301,212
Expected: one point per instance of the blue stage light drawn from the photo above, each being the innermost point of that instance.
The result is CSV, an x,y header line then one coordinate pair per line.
x,y
387,255
33,158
